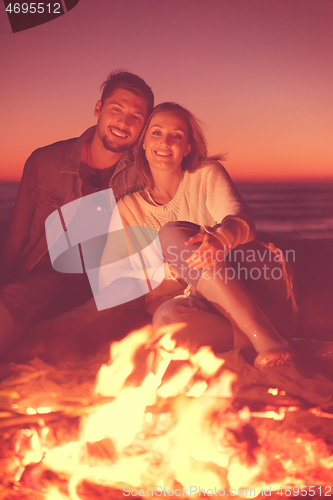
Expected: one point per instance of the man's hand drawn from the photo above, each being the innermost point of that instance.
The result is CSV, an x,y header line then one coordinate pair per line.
x,y
210,252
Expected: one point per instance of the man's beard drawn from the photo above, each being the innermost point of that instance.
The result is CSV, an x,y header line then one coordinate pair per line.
x,y
114,146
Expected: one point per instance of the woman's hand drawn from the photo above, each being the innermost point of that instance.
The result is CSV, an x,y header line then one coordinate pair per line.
x,y
210,252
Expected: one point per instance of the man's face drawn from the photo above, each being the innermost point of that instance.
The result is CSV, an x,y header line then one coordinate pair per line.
x,y
120,120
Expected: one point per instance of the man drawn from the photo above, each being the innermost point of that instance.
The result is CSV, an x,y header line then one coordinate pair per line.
x,y
102,157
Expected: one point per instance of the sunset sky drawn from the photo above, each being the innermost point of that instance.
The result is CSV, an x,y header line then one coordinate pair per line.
x,y
258,73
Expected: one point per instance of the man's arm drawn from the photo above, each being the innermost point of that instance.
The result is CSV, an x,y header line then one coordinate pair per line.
x,y
19,231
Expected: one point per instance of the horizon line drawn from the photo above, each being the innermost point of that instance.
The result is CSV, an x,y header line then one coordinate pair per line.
x,y
245,180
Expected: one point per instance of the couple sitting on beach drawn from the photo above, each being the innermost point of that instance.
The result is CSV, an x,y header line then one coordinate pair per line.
x,y
172,186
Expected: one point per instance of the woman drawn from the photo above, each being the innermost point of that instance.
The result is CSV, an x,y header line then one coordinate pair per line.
x,y
190,199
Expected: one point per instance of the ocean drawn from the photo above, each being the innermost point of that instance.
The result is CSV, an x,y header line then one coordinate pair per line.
x,y
293,210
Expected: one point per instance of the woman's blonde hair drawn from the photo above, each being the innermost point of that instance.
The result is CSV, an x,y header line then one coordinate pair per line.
x,y
197,157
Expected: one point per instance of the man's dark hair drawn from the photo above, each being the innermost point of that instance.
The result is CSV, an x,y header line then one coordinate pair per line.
x,y
133,83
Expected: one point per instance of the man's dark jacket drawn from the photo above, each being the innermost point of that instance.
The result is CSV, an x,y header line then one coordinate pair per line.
x,y
51,179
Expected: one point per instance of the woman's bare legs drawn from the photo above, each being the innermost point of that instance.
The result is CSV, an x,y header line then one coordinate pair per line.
x,y
199,324
228,295
233,300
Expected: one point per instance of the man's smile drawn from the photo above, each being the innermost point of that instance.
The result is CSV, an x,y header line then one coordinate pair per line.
x,y
118,133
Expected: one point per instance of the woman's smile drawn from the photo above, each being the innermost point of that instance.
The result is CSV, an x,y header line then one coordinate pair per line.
x,y
163,153
166,141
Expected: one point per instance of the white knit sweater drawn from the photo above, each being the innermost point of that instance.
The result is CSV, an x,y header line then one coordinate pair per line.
x,y
206,197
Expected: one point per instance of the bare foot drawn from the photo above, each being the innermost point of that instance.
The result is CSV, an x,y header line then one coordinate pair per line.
x,y
273,357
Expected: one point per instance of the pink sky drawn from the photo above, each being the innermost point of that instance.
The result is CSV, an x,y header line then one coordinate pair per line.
x,y
258,73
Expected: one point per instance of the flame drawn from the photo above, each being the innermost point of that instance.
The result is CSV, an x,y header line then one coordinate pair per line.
x,y
171,422
54,494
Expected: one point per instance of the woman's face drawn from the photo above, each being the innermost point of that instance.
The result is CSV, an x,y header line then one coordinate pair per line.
x,y
166,142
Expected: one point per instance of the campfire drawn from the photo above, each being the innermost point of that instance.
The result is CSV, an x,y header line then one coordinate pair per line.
x,y
162,420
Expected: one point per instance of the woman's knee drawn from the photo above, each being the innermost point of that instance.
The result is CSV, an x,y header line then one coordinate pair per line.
x,y
173,237
177,232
